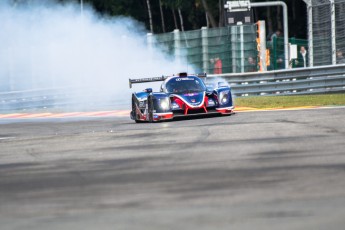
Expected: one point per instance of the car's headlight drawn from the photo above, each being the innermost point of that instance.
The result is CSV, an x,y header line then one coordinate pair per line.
x,y
164,104
224,97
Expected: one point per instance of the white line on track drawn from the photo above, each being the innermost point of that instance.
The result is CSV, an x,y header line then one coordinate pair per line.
x,y
6,138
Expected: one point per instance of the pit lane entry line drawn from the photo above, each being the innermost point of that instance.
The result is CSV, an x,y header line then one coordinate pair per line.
x,y
120,113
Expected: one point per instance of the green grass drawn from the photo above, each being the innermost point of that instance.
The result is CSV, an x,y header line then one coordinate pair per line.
x,y
262,102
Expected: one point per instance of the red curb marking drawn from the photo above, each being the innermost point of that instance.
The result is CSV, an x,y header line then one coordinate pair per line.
x,y
122,113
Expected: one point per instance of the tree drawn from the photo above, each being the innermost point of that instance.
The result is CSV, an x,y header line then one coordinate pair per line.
x,y
175,5
162,15
150,15
209,13
178,6
174,16
166,15
221,13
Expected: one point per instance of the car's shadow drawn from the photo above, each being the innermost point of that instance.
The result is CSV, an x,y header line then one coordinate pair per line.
x,y
196,117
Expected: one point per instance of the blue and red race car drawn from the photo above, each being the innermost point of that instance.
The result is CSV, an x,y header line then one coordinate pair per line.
x,y
181,95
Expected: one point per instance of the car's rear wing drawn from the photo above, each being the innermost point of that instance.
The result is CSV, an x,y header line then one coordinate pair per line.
x,y
144,80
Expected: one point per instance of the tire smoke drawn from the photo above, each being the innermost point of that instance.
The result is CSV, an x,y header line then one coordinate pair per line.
x,y
88,57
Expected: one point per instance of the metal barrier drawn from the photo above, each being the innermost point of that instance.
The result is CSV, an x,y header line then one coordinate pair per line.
x,y
282,82
287,82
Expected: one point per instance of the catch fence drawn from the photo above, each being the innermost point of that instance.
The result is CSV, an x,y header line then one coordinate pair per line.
x,y
326,31
235,46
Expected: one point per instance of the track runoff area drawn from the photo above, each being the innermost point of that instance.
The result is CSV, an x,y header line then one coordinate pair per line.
x,y
124,113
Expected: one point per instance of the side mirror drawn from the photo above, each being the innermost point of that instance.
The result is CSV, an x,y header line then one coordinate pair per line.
x,y
148,90
222,84
209,89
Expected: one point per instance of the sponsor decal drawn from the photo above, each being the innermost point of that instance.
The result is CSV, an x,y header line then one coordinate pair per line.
x,y
184,79
189,102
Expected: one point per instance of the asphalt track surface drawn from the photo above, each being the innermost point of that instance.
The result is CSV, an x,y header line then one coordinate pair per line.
x,y
254,170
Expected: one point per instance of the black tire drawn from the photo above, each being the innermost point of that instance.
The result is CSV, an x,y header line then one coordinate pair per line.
x,y
150,107
134,110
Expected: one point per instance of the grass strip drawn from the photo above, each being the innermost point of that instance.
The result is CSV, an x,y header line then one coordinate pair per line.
x,y
266,102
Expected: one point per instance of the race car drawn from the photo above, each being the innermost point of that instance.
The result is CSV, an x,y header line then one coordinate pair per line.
x,y
180,95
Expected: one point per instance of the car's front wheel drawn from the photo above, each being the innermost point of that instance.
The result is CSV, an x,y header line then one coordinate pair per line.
x,y
134,114
150,107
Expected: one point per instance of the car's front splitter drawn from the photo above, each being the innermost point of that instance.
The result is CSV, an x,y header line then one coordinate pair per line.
x,y
226,110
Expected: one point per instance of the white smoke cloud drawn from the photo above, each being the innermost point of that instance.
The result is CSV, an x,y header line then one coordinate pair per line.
x,y
54,45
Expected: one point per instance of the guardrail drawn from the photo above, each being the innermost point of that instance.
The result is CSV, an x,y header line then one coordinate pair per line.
x,y
287,82
283,82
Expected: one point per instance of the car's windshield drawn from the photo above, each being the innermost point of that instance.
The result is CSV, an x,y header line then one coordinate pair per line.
x,y
185,85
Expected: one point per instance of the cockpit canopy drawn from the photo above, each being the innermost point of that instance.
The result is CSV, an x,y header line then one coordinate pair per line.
x,y
188,84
